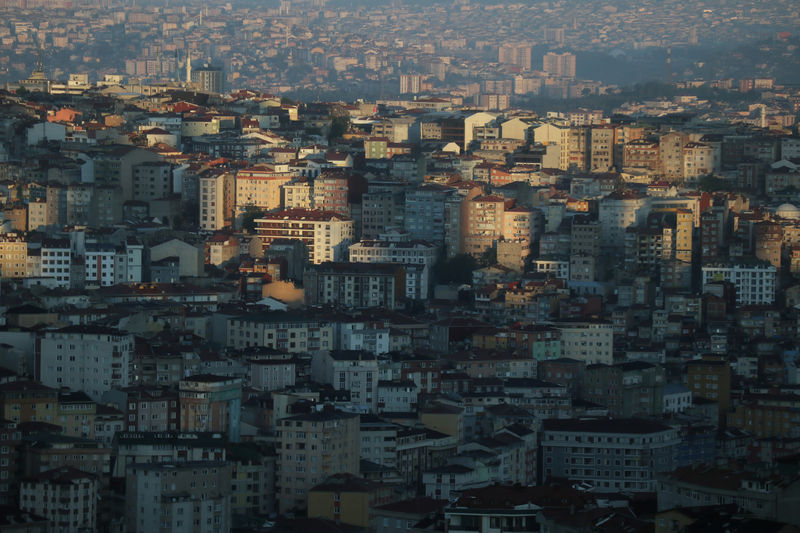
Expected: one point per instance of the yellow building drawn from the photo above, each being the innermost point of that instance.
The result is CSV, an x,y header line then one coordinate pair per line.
x,y
347,499
446,419
710,378
13,256
76,413
28,401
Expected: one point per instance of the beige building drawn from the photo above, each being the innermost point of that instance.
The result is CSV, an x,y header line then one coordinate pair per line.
x,y
297,194
65,496
602,148
13,256
216,200
37,214
491,218
671,152
326,234
260,186
698,160
312,447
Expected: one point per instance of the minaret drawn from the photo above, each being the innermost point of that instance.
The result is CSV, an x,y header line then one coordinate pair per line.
x,y
188,68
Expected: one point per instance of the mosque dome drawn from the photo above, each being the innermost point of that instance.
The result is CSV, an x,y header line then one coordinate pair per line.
x,y
788,211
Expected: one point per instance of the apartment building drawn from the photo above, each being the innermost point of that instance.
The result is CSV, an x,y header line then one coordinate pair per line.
x,y
590,342
326,234
360,285
65,496
260,186
285,331
92,359
618,212
178,497
217,197
755,281
310,448
152,180
420,253
350,370
211,403
13,256
609,455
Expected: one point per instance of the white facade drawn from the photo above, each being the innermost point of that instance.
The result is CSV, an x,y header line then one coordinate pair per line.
x,y
677,399
591,342
273,374
405,252
556,267
618,213
129,262
354,371
326,234
397,396
65,496
100,265
755,281
56,261
356,336
92,359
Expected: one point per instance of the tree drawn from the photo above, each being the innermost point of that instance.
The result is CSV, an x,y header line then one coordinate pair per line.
x,y
711,183
338,126
251,213
457,269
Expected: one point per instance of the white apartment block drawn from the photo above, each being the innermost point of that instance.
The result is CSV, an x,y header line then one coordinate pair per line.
x,y
55,261
354,371
92,359
416,252
100,264
326,234
558,268
591,342
130,262
755,281
618,212
65,496
190,497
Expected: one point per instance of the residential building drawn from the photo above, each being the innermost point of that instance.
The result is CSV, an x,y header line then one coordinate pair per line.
x,y
217,199
755,281
354,371
710,378
312,447
327,235
287,332
186,496
608,455
355,285
420,253
590,342
260,186
618,212
626,389
211,403
65,496
92,359
348,499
